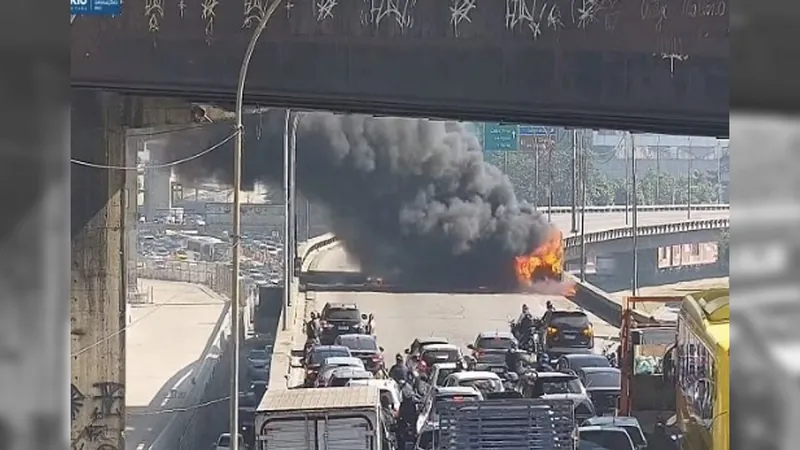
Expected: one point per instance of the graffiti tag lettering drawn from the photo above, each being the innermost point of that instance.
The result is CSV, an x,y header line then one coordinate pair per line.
x,y
76,401
110,399
459,12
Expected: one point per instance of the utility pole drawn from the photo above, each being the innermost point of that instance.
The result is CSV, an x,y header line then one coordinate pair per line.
x,y
583,158
689,188
233,402
634,222
290,252
536,174
574,181
658,173
287,199
550,182
627,183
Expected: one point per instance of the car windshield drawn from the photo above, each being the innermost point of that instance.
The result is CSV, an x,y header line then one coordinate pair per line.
x,y
350,315
571,320
319,355
603,380
560,386
635,433
443,374
494,343
358,343
432,357
589,361
342,382
258,354
484,385
225,441
610,439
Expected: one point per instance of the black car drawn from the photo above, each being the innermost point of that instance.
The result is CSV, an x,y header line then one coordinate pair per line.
x,y
364,347
577,361
341,318
603,384
566,330
490,348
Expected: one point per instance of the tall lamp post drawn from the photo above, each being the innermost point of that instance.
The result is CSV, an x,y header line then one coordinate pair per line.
x,y
634,221
233,415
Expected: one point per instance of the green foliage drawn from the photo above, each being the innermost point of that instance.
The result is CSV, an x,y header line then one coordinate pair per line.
x,y
529,173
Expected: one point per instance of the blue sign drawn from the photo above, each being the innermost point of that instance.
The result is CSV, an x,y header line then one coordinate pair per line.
x,y
500,137
534,130
95,7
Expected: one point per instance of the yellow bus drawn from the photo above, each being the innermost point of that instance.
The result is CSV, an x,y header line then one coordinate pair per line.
x,y
702,370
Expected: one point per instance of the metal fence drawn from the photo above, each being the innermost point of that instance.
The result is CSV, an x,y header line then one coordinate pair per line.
x,y
216,276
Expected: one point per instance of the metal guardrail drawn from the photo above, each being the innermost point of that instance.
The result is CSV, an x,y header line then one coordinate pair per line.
x,y
158,227
641,208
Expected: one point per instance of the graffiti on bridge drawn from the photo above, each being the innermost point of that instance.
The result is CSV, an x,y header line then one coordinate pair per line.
x,y
99,416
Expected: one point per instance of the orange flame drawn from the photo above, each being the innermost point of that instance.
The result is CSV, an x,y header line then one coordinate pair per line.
x,y
542,269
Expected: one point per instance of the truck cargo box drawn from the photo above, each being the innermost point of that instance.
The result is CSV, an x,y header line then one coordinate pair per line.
x,y
346,418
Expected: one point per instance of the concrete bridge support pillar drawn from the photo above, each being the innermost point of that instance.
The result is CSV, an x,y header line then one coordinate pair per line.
x,y
97,309
616,269
99,261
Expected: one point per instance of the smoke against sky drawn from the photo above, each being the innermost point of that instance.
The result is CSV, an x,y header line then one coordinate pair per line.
x,y
409,198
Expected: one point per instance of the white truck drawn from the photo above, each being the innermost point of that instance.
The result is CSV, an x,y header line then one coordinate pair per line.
x,y
335,418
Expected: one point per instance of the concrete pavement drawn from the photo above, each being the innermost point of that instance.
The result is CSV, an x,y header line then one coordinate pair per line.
x,y
163,342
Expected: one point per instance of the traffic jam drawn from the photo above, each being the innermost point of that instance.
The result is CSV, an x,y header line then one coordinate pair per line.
x,y
548,357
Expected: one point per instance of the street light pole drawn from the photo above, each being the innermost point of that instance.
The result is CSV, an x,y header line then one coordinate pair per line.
x,y
233,402
634,221
583,157
575,181
287,175
550,183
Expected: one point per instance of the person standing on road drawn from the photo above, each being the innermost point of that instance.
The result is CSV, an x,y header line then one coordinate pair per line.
x,y
398,372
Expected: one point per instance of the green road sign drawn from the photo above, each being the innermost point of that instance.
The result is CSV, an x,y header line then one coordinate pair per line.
x,y
500,137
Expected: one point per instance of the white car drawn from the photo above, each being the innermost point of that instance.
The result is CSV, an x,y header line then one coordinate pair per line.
x,y
484,382
387,387
443,394
224,442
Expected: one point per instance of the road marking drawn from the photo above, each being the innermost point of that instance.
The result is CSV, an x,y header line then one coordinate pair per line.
x,y
174,389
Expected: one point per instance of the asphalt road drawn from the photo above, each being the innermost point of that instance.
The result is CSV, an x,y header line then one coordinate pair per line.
x,y
399,318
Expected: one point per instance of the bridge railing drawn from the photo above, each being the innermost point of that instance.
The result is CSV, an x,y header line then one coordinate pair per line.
x,y
648,230
569,242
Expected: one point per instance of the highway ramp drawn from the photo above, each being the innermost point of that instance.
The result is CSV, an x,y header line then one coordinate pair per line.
x,y
399,318
596,222
164,342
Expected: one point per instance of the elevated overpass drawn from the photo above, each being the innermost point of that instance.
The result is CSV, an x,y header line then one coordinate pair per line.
x,y
403,316
606,233
651,65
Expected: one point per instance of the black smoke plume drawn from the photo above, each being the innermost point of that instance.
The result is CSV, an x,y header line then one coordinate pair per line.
x,y
409,198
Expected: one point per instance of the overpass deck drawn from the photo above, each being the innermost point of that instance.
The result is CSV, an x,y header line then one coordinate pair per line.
x,y
164,341
596,222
